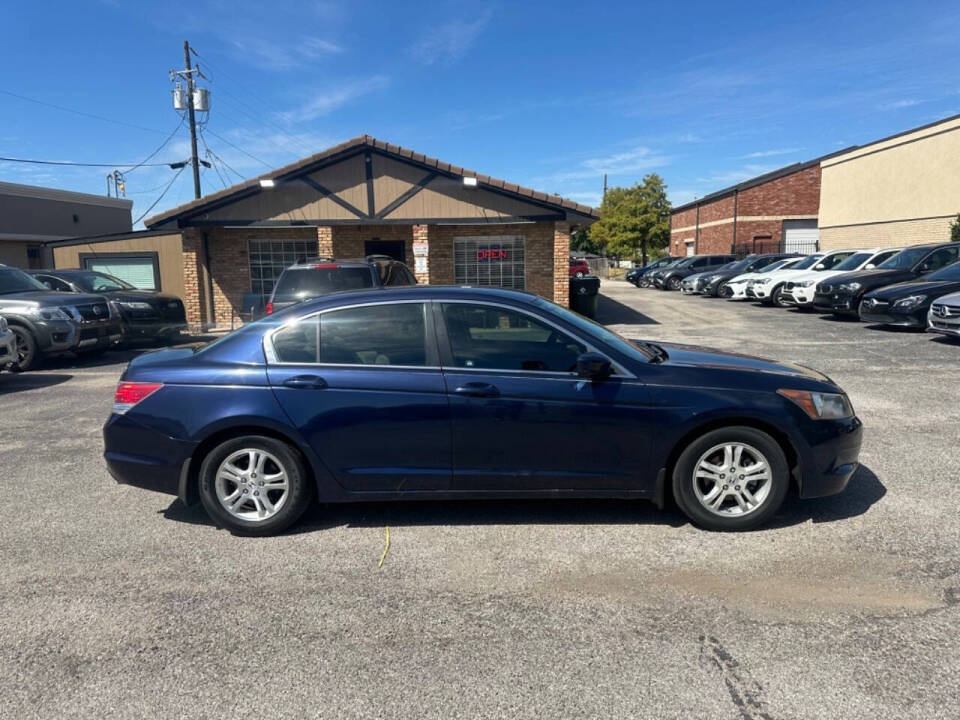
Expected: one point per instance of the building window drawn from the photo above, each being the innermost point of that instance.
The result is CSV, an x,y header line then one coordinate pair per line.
x,y
269,258
490,261
142,270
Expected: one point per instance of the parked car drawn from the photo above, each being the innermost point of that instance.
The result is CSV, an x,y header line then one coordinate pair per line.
x,y
46,323
671,278
843,294
323,275
8,344
633,276
800,291
693,284
439,392
144,313
769,289
646,280
736,288
715,284
579,267
944,316
908,303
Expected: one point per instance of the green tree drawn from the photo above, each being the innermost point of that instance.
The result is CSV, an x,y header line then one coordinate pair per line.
x,y
955,229
634,221
582,242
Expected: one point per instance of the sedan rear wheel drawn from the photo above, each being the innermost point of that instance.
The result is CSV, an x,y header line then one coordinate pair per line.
x,y
254,485
731,479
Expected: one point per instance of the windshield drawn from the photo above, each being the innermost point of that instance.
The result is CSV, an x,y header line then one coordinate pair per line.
x,y
738,266
14,281
101,282
775,266
950,272
311,282
808,261
854,261
905,259
596,330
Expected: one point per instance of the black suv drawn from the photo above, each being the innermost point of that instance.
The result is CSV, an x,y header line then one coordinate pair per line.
x,y
714,284
321,276
46,322
842,294
144,313
670,278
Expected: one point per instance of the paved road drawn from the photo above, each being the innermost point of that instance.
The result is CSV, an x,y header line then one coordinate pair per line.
x,y
116,602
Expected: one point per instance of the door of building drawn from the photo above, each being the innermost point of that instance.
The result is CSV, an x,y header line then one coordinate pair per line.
x,y
391,248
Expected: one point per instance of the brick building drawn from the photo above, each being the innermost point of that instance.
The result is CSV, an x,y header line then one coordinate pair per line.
x,y
769,213
359,198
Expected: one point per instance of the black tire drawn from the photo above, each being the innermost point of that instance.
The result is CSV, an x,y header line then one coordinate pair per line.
x,y
683,479
674,283
300,489
775,296
578,274
25,346
724,292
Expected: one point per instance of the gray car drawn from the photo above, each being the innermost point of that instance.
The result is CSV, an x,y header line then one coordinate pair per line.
x,y
47,323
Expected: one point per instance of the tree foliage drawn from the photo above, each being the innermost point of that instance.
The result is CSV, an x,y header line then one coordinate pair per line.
x,y
634,221
955,229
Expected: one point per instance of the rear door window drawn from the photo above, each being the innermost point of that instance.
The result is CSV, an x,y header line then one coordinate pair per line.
x,y
391,334
941,258
301,283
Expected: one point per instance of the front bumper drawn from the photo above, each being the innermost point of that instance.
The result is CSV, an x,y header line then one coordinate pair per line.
x,y
889,316
944,319
8,348
836,303
758,292
154,329
737,291
92,335
831,456
145,458
799,296
688,287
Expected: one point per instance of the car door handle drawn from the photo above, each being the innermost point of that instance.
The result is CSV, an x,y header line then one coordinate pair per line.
x,y
477,389
305,382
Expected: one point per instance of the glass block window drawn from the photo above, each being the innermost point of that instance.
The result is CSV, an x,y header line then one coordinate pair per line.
x,y
268,258
489,261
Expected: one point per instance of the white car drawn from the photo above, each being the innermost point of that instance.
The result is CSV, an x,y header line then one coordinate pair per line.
x,y
800,290
8,343
769,289
944,315
736,289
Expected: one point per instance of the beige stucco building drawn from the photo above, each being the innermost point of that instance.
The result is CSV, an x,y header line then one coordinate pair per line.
x,y
902,190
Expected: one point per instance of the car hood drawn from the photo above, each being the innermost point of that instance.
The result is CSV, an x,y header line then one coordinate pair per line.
x,y
817,275
778,275
873,278
47,298
935,288
141,296
953,299
703,357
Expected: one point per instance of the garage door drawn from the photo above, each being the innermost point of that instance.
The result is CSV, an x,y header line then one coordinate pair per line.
x,y
801,236
138,271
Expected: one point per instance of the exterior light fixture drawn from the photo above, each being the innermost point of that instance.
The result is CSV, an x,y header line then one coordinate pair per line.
x,y
268,183
470,181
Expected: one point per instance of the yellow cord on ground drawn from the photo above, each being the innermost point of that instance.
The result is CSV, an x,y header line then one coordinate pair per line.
x,y
385,549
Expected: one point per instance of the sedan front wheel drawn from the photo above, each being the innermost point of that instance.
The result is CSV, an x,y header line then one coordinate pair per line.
x,y
733,478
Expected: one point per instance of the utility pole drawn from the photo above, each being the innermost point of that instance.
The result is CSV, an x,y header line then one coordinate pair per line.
x,y
604,185
193,121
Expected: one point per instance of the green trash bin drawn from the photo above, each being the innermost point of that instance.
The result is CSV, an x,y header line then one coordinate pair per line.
x,y
583,295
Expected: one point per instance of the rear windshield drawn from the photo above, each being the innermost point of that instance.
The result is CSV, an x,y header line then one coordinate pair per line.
x,y
303,283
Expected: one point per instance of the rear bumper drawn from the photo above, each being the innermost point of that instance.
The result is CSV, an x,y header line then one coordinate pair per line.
x,y
139,456
831,459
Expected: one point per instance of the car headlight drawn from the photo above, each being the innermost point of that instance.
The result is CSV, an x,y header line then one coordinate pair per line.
x,y
851,287
49,313
819,405
764,281
137,305
804,283
910,302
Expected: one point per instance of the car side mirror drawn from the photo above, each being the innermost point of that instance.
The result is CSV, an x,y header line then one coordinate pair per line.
x,y
820,266
594,367
869,266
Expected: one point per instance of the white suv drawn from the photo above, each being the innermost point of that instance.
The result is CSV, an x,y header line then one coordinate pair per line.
x,y
737,287
800,290
770,288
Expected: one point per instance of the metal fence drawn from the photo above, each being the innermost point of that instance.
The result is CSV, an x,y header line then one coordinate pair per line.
x,y
763,245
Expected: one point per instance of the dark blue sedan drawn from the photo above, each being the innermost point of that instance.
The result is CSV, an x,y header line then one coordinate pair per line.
x,y
438,392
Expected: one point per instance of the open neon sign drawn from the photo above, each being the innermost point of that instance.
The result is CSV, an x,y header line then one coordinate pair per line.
x,y
491,254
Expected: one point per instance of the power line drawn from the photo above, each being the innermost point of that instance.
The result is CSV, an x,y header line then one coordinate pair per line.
x,y
218,158
240,149
165,190
80,112
162,145
81,164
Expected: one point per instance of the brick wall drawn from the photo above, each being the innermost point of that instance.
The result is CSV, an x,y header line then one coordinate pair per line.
x,y
325,241
348,240
421,234
896,234
760,212
194,286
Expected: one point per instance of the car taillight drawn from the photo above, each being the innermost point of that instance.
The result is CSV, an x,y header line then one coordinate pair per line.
x,y
269,309
129,394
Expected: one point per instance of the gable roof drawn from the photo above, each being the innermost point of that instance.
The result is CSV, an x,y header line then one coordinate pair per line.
x,y
366,143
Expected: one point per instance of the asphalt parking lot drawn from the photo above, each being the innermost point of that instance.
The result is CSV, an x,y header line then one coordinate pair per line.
x,y
117,602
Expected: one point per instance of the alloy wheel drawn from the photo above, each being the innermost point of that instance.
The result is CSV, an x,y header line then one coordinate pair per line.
x,y
251,484
732,479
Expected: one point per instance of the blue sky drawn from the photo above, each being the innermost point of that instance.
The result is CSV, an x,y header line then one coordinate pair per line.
x,y
545,94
